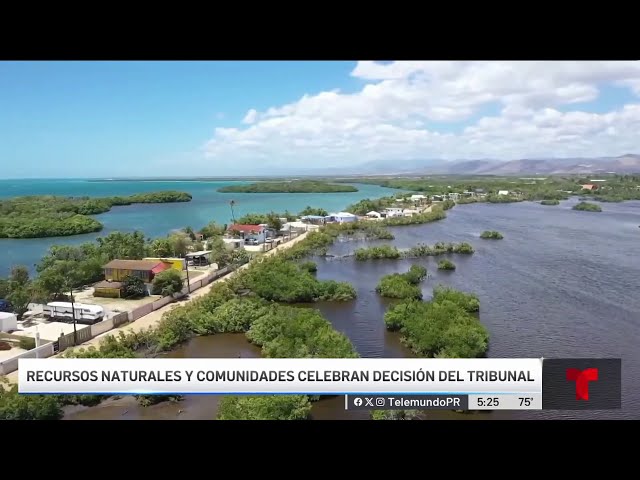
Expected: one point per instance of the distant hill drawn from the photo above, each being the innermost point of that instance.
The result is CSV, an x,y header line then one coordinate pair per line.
x,y
629,163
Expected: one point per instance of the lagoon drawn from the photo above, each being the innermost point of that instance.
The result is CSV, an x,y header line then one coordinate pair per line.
x,y
157,220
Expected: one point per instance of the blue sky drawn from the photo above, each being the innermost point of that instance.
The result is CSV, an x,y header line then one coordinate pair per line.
x,y
96,119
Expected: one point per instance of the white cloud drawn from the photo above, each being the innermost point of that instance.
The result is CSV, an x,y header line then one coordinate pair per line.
x,y
250,117
405,110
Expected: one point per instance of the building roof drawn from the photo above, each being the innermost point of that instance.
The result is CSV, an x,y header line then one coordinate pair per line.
x,y
314,217
108,284
589,186
144,265
341,214
199,253
373,212
246,228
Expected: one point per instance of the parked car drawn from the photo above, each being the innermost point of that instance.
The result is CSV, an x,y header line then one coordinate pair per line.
x,y
5,306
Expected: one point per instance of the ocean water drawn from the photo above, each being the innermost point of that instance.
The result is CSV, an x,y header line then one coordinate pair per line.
x,y
157,220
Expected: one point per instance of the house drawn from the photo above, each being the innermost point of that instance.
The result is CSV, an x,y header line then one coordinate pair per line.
x,y
393,212
409,212
437,198
233,243
107,288
299,227
341,217
252,233
118,270
418,198
479,190
176,263
590,186
454,196
374,214
313,219
503,192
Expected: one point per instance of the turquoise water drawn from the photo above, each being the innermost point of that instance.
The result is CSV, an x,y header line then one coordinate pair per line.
x,y
158,220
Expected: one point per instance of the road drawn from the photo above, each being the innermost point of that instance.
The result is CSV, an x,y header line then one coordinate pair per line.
x,y
152,319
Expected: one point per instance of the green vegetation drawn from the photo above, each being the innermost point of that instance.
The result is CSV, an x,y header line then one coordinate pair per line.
x,y
277,279
434,215
309,266
441,328
420,250
27,343
468,301
446,265
439,248
19,290
587,207
293,186
133,287
364,229
403,285
272,407
367,205
14,406
320,212
50,216
395,415
376,253
550,202
167,283
491,234
616,188
271,219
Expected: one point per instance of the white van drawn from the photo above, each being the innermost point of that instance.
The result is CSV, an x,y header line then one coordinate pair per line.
x,y
84,313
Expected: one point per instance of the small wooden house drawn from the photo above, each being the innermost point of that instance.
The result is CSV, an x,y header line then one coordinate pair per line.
x,y
118,270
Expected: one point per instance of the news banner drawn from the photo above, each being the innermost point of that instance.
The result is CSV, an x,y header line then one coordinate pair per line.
x,y
367,384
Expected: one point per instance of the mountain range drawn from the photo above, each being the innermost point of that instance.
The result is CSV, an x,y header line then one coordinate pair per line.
x,y
629,163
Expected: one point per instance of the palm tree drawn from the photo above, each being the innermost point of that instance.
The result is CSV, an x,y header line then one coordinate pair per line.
x,y
231,204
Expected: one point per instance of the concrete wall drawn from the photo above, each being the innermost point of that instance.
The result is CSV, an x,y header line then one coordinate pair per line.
x,y
101,327
89,332
11,364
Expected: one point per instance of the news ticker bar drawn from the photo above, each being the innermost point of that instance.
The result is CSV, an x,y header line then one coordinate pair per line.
x,y
555,383
532,401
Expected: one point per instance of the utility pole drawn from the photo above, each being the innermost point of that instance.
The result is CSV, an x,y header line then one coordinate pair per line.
x,y
186,266
73,314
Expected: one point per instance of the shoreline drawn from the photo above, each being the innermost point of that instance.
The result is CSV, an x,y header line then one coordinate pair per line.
x,y
153,318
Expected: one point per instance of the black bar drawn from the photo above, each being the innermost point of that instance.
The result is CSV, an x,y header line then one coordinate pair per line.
x,y
407,402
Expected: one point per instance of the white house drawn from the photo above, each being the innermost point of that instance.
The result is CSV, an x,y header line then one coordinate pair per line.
x,y
503,192
252,233
8,322
393,212
233,243
454,196
418,198
341,217
374,214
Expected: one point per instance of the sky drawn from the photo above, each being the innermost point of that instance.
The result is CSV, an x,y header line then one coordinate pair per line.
x,y
115,119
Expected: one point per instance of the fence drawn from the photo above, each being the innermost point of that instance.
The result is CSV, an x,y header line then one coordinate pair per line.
x,y
87,333
11,364
68,340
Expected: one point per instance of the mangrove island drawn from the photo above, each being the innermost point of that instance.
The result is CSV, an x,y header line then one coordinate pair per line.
x,y
587,207
294,186
51,216
491,234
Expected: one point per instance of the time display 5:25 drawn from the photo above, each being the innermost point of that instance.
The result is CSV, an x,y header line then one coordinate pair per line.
x,y
488,401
